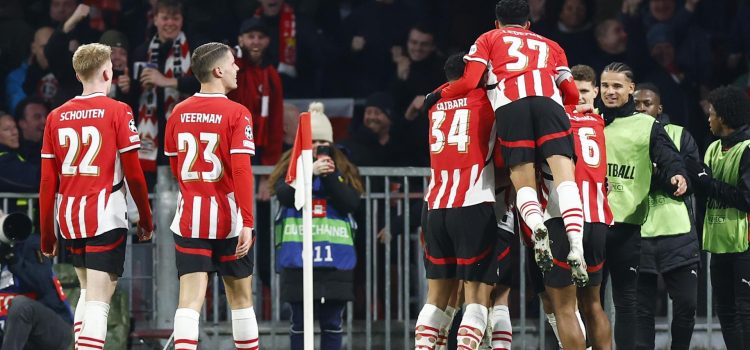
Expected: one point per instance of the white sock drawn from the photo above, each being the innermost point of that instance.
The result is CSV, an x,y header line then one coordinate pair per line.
x,y
472,327
245,329
580,323
186,330
528,205
78,316
94,330
429,322
442,341
572,214
502,330
553,322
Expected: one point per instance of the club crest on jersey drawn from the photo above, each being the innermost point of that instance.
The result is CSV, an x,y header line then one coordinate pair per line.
x,y
249,132
131,126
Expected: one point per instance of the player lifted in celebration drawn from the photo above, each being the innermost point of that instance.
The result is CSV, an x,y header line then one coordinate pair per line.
x,y
532,79
90,143
209,140
459,225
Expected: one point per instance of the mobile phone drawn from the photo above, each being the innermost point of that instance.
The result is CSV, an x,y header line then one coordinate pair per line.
x,y
116,73
323,150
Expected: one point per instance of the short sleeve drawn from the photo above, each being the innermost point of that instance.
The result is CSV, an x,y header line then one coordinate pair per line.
x,y
48,141
170,146
480,51
127,133
241,133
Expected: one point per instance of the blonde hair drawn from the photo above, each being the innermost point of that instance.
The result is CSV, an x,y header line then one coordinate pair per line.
x,y
89,58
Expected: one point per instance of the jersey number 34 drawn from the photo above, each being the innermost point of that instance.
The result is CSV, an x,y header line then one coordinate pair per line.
x,y
458,133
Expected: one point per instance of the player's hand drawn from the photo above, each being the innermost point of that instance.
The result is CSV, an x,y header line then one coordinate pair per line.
x,y
245,242
123,82
358,43
145,231
78,15
264,189
585,108
323,166
681,184
431,99
53,253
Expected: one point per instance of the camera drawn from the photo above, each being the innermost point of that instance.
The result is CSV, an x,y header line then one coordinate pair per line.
x,y
14,227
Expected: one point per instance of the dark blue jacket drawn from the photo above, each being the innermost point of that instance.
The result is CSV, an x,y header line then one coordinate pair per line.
x,y
31,275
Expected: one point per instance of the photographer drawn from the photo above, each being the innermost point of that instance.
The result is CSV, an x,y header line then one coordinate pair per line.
x,y
336,194
34,312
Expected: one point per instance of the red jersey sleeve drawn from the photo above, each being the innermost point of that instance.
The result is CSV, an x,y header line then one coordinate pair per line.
x,y
170,145
48,150
480,51
241,133
126,137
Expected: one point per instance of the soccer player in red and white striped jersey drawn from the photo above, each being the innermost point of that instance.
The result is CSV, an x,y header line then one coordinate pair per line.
x,y
459,226
209,140
591,176
533,81
88,151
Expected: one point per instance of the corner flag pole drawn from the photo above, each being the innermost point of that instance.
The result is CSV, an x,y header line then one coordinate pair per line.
x,y
299,176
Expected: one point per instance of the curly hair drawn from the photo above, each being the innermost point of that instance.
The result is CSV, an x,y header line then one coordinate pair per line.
x,y
510,12
454,66
731,105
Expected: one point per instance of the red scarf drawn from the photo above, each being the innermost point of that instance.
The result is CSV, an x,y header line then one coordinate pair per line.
x,y
287,40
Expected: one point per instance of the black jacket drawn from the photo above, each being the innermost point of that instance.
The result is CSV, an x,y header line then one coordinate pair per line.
x,y
17,174
330,284
666,253
734,196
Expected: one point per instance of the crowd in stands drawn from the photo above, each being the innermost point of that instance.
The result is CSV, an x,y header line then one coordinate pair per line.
x,y
386,52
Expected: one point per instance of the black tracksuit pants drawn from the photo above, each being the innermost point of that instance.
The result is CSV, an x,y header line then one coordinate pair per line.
x,y
623,259
730,279
682,286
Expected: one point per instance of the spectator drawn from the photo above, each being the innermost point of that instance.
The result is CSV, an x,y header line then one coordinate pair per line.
x,y
369,34
18,175
336,191
164,79
418,71
291,120
31,116
61,10
570,25
259,89
372,143
120,72
669,242
725,180
612,43
39,316
295,47
34,76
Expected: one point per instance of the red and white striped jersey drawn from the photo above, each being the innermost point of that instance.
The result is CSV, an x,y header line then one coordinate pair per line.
x,y
85,136
202,132
591,168
521,62
462,137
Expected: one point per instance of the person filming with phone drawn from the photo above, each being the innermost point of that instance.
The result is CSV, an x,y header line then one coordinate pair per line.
x,y
336,195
